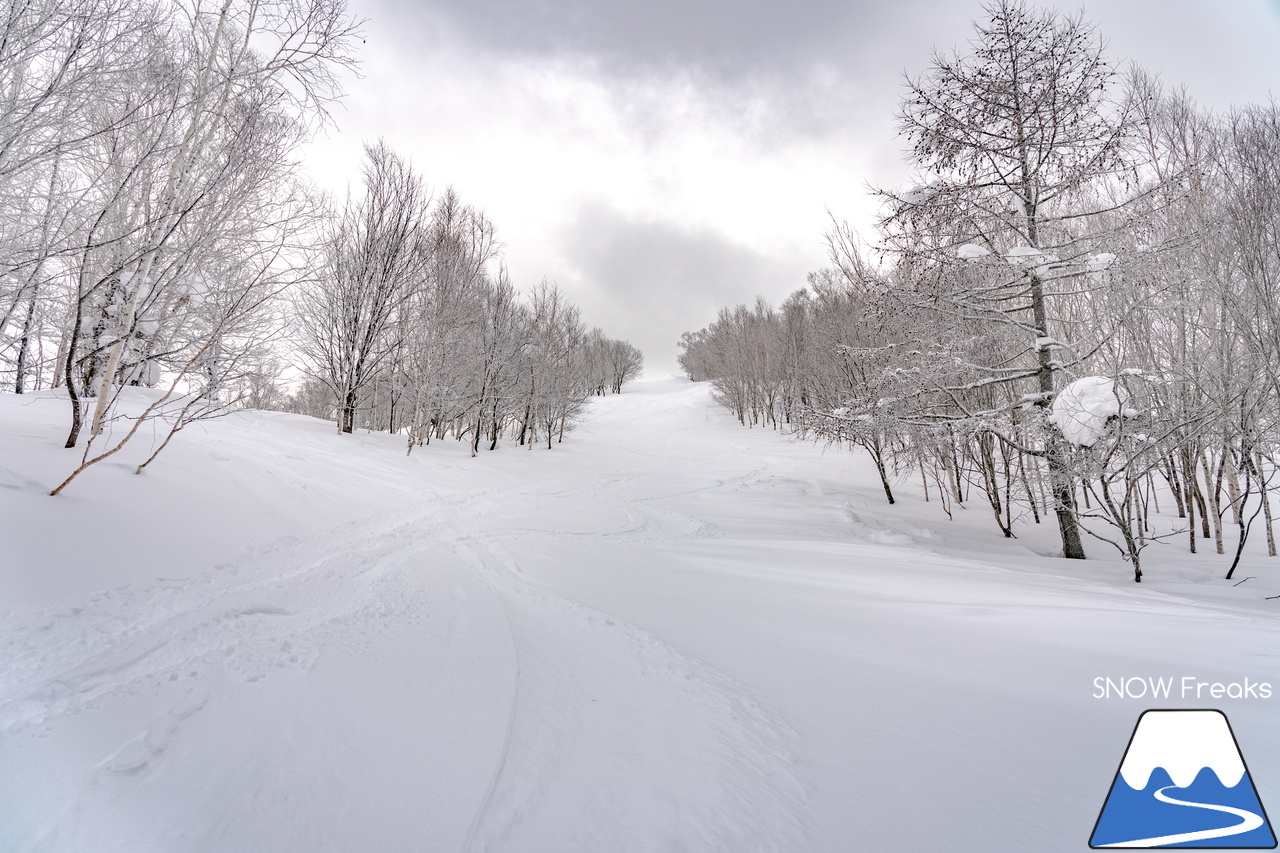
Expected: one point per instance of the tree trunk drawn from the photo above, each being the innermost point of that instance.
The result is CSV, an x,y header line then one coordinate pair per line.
x,y
69,368
1175,486
1064,502
1026,485
1195,493
874,448
1188,475
1263,495
348,420
1215,498
1233,488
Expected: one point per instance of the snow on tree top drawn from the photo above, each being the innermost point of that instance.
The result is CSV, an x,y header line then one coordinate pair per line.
x,y
1081,409
919,194
1100,262
1031,255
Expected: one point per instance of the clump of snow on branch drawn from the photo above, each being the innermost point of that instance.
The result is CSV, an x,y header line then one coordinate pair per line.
x,y
972,252
919,194
1083,408
1101,262
1019,254
1031,256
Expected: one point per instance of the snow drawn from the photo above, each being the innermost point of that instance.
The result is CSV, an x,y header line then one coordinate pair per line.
x,y
1082,409
972,251
1024,255
668,633
920,194
1100,262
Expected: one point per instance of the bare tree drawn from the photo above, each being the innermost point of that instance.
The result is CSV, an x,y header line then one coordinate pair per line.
x,y
374,256
626,363
446,319
239,63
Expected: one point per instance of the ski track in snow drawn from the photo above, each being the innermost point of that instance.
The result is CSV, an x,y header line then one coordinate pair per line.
x,y
457,673
597,696
614,739
244,613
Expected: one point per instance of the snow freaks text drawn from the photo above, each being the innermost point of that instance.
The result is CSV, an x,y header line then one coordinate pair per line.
x,y
1175,687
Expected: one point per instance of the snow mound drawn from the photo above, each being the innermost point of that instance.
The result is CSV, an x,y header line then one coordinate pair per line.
x,y
971,252
1081,410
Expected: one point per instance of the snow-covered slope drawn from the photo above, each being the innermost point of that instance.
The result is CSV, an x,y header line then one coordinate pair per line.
x,y
669,633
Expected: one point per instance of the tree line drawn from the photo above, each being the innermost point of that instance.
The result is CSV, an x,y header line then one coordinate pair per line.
x,y
157,231
418,328
1072,314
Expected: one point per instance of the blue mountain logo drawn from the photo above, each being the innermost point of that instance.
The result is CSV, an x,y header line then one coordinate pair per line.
x,y
1183,783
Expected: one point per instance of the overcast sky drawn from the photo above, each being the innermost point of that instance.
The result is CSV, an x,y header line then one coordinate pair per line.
x,y
659,159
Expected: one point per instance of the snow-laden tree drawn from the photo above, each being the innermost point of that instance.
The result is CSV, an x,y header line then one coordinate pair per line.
x,y
609,363
1248,302
375,256
182,212
1066,226
1019,141
444,319
623,362
60,60
414,325
233,85
555,382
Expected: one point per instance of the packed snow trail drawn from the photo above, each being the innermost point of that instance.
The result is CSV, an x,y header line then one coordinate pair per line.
x,y
668,633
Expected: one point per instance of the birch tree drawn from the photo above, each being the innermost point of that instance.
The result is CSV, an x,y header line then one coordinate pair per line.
x,y
236,63
373,256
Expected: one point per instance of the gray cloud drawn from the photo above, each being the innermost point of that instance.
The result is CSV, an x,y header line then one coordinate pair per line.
x,y
729,34
807,68
822,77
649,281
1209,48
827,70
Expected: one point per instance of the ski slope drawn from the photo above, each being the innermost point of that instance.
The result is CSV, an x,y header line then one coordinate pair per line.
x,y
669,633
